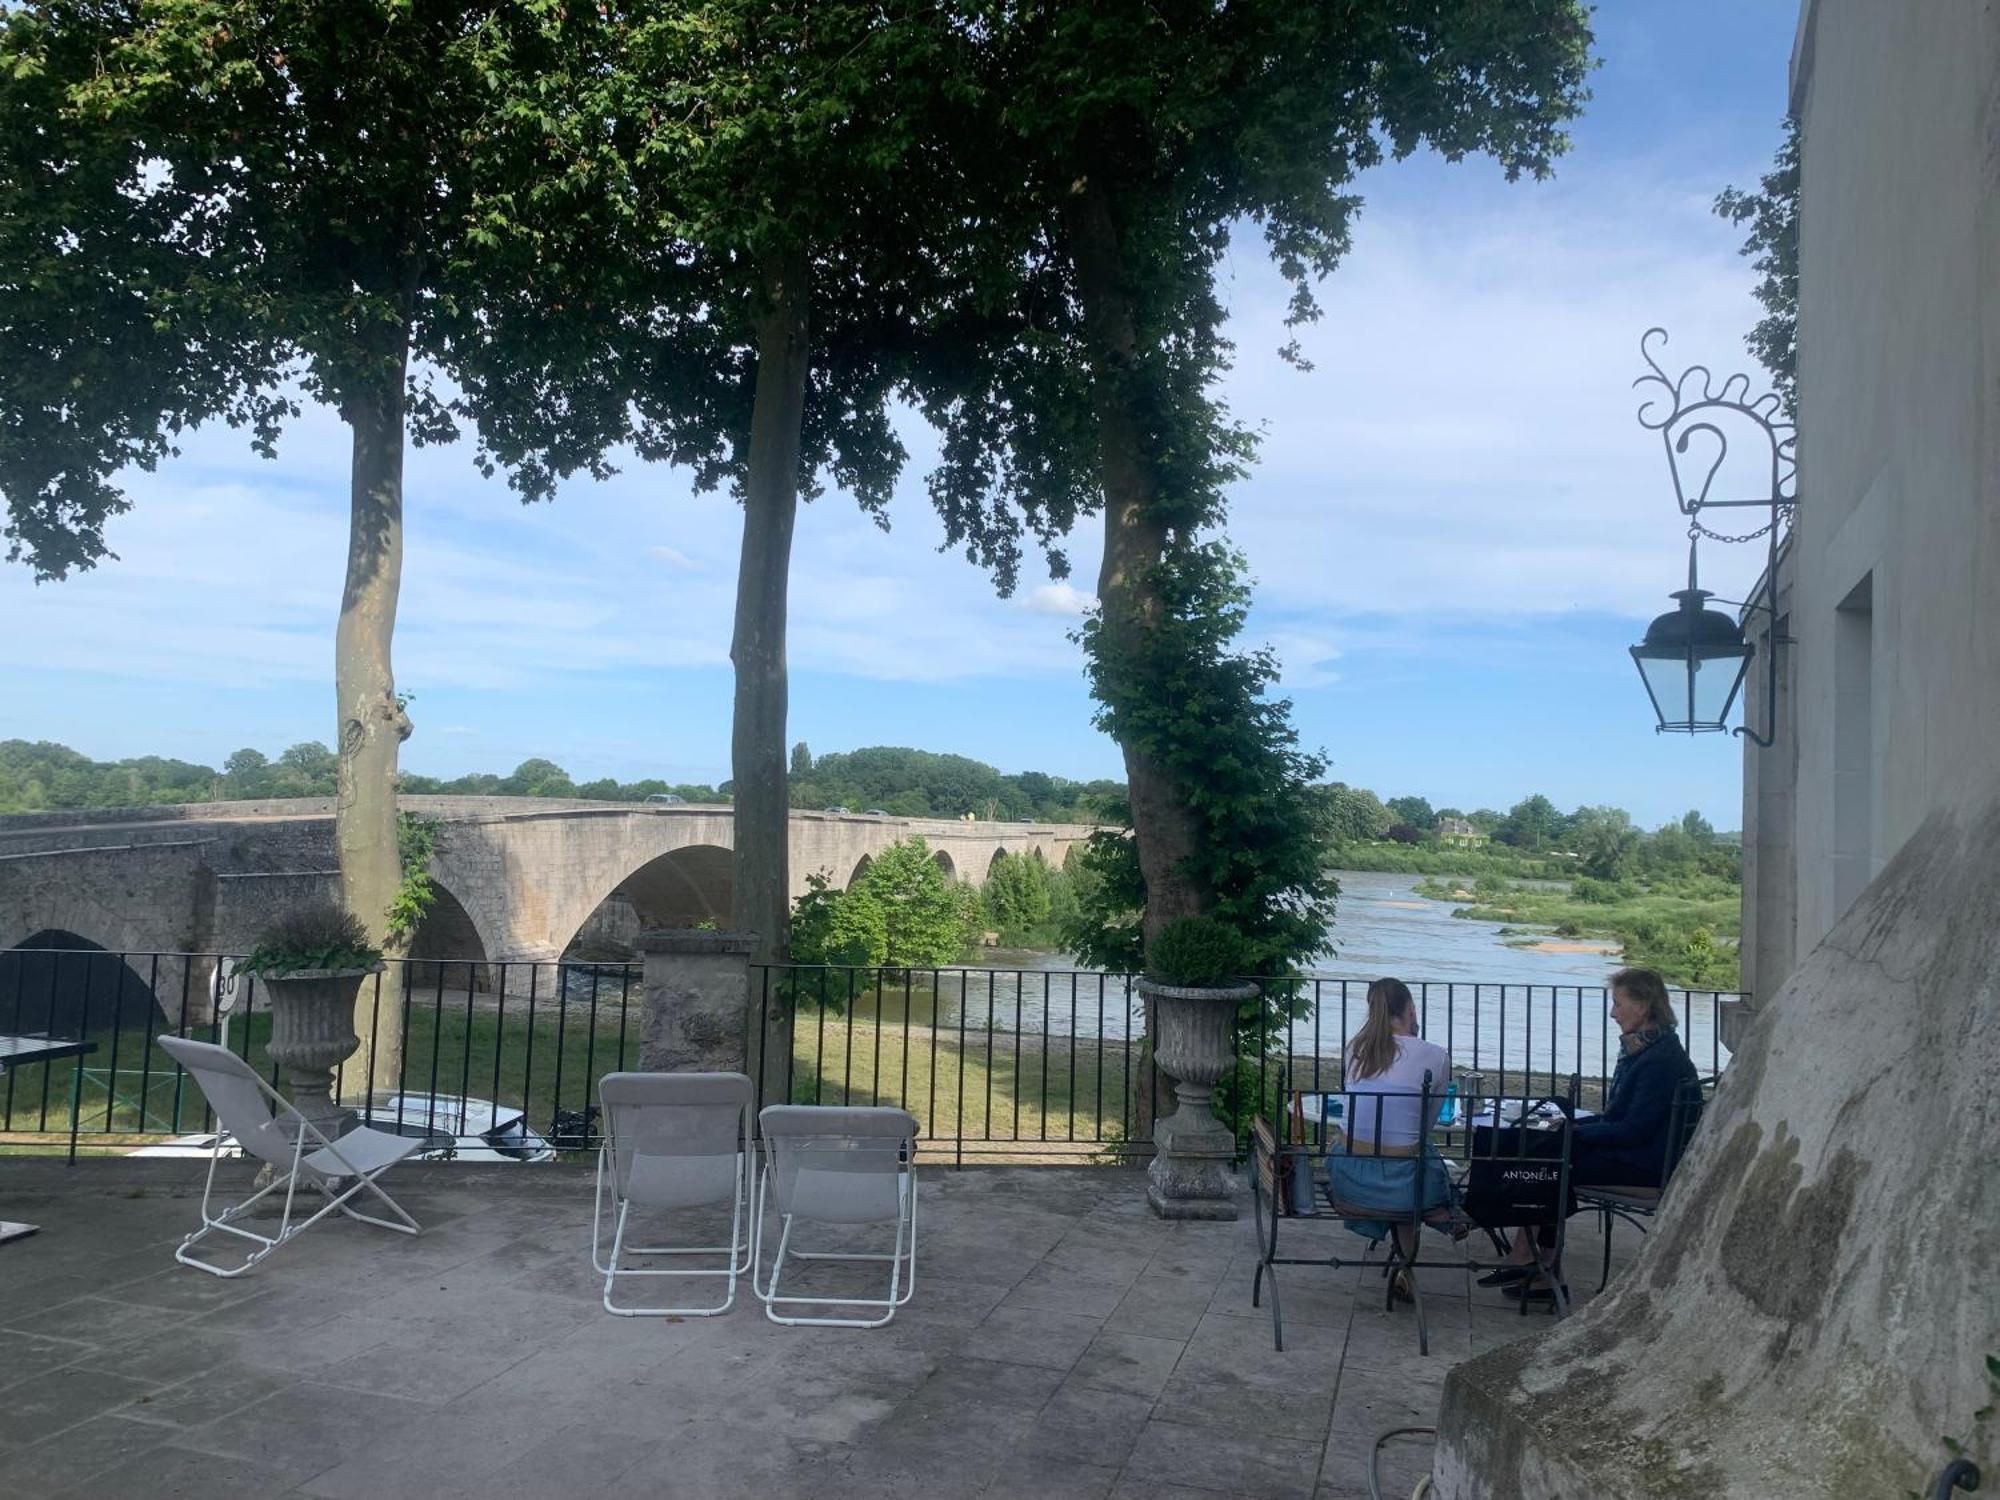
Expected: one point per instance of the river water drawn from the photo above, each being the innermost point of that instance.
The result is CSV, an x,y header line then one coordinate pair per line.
x,y
1499,1009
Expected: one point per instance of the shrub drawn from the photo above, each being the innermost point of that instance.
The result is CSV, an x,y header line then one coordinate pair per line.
x,y
1197,953
321,936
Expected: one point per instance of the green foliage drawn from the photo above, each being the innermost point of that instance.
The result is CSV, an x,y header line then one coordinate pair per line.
x,y
1772,212
924,784
1684,926
417,839
844,928
1185,697
206,204
1197,953
320,936
1414,811
1351,814
1105,933
1532,823
903,911
1019,897
39,775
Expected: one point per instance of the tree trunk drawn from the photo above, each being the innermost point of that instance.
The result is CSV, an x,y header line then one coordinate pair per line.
x,y
373,724
757,738
1164,825
1135,541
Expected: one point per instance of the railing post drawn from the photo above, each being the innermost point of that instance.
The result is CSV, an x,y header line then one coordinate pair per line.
x,y
697,1012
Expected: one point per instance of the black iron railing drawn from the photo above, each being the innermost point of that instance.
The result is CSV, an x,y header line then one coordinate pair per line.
x,y
1031,1064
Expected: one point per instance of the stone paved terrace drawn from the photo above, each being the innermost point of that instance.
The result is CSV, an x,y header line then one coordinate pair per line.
x,y
1062,1343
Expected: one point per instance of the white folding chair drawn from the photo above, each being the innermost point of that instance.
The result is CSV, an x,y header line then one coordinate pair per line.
x,y
267,1127
842,1166
673,1141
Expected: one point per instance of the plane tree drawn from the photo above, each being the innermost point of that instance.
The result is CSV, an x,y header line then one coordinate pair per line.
x,y
1151,138
217,210
793,215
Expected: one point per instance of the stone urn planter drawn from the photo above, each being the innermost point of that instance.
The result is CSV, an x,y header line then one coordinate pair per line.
x,y
312,1033
1193,1151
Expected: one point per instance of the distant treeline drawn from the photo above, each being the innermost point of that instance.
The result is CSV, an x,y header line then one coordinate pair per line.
x,y
39,775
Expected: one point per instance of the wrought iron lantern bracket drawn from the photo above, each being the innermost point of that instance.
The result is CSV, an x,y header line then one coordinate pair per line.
x,y
1697,419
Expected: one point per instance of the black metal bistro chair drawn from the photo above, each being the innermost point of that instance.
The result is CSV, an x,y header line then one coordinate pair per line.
x,y
1638,1202
1285,1184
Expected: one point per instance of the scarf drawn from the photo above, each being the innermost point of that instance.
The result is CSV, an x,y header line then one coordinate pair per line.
x,y
1635,1042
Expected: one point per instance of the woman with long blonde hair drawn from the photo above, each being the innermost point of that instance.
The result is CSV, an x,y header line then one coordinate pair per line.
x,y
1389,1071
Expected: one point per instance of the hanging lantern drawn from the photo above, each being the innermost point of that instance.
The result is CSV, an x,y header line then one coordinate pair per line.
x,y
1692,661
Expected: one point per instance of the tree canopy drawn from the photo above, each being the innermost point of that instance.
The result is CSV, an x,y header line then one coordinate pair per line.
x,y
1143,134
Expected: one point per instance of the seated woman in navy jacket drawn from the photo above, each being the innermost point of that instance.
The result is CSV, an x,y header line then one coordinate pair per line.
x,y
1626,1145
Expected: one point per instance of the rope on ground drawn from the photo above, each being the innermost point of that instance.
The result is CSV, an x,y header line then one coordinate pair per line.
x,y
1375,1458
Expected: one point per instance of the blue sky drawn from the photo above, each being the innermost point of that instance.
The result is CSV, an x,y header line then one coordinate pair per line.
x,y
1456,526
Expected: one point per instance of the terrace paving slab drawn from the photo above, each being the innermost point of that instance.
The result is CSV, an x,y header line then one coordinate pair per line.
x,y
1062,1343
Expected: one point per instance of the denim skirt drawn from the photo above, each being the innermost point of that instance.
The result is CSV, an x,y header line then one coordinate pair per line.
x,y
1386,1183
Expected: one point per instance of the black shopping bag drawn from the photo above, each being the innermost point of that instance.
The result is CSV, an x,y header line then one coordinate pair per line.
x,y
1511,1192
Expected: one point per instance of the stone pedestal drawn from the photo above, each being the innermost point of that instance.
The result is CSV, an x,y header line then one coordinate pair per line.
x,y
312,1033
1813,1308
1194,1153
699,1008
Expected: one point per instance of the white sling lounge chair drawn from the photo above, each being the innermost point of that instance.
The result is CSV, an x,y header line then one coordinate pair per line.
x,y
674,1141
845,1166
267,1127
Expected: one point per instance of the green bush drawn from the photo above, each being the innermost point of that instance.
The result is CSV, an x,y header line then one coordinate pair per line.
x,y
1197,953
903,911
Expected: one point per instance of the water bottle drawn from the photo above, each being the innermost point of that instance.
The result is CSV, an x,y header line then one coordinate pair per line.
x,y
1334,1110
1449,1114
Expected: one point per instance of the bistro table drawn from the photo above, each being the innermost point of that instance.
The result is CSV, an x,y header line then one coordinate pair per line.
x,y
18,1052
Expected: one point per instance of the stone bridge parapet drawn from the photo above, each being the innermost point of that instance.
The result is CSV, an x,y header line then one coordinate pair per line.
x,y
518,878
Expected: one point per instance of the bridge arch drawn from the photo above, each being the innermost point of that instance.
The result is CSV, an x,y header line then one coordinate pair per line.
x,y
998,858
59,982
861,867
448,946
683,887
944,863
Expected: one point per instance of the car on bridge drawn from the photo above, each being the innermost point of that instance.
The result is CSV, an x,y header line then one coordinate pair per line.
x,y
841,810
665,799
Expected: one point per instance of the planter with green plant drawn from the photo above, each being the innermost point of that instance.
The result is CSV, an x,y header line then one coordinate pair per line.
x,y
1193,987
311,963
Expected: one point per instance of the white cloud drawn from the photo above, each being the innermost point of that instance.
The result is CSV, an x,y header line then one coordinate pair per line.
x,y
1064,599
1305,658
1466,444
674,558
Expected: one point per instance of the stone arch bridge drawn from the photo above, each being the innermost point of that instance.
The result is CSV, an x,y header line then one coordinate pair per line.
x,y
519,879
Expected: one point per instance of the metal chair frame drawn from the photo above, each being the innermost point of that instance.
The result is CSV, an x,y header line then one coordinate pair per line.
x,y
740,1248
1610,1204
902,1254
313,1167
